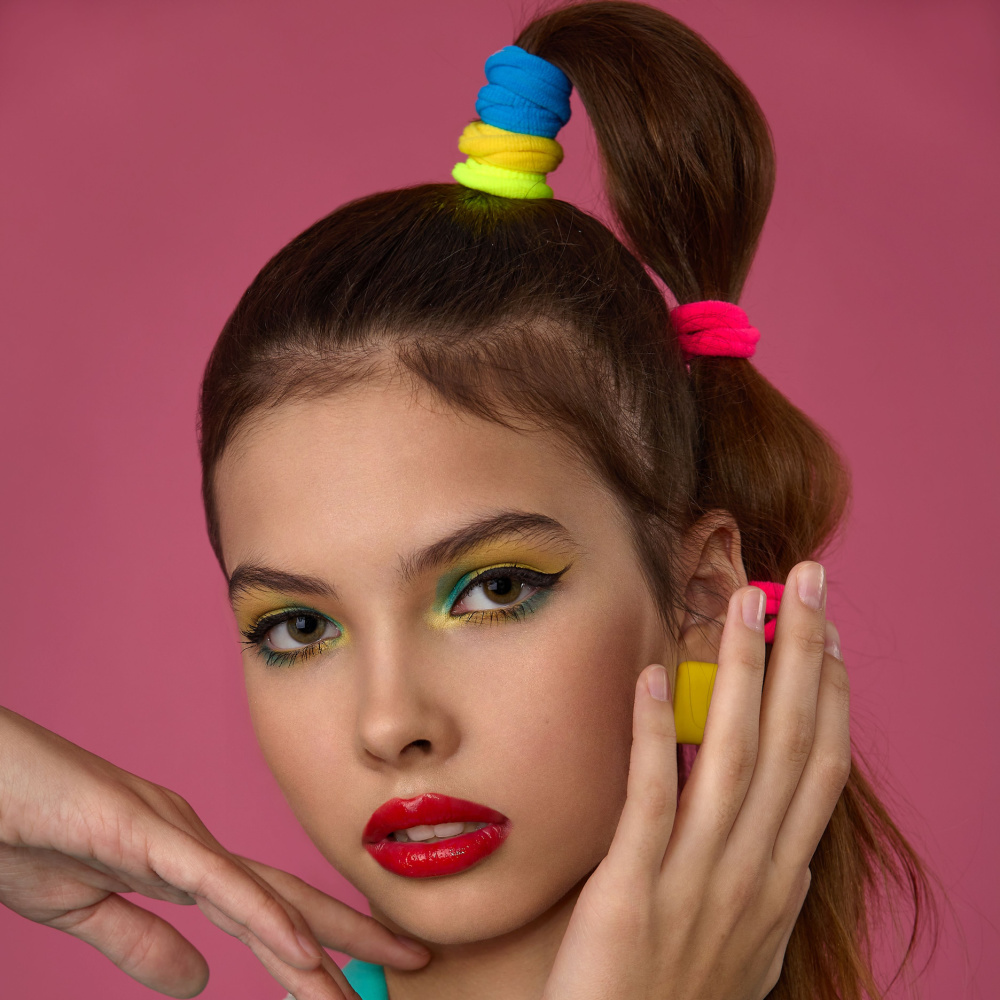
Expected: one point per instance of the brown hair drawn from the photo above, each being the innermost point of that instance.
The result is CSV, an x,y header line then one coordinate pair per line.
x,y
532,313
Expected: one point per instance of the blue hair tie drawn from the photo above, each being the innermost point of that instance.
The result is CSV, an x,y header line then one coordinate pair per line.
x,y
524,93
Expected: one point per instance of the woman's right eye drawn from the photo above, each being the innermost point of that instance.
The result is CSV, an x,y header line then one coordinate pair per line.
x,y
299,630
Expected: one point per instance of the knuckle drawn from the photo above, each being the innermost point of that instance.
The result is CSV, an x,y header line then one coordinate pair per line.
x,y
834,768
738,757
356,933
750,664
796,736
661,730
720,818
136,951
213,871
790,906
258,914
166,803
243,934
840,683
178,801
656,798
810,640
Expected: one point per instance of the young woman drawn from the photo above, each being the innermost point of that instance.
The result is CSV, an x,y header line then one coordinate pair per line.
x,y
484,503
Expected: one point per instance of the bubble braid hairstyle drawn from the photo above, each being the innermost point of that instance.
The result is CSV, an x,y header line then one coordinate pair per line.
x,y
532,314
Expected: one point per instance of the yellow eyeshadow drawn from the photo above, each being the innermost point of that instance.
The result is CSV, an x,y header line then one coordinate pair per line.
x,y
251,606
511,554
479,560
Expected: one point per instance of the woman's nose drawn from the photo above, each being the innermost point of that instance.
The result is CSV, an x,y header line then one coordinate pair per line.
x,y
405,715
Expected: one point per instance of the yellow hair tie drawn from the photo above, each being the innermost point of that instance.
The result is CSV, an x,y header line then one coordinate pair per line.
x,y
513,150
509,164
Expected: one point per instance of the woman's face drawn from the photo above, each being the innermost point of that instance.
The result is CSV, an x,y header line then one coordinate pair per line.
x,y
352,528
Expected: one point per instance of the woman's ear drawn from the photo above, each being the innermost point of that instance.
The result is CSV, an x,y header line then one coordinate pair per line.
x,y
712,570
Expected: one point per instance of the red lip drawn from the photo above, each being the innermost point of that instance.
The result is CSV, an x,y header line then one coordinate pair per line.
x,y
428,809
446,857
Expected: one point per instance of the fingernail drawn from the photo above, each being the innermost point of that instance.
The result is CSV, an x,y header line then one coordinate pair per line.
x,y
811,584
656,681
833,640
309,947
754,602
412,945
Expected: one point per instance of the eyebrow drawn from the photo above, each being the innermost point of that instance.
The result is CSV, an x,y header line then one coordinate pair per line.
x,y
248,576
502,524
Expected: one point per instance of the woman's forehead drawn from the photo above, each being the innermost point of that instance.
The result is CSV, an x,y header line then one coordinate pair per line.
x,y
382,463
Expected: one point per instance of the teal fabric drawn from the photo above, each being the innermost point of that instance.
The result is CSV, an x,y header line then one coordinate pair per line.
x,y
367,980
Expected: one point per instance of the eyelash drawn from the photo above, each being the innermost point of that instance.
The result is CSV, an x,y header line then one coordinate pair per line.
x,y
516,612
255,636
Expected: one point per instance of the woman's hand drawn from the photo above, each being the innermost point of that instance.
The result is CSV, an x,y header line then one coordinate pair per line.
x,y
696,899
76,831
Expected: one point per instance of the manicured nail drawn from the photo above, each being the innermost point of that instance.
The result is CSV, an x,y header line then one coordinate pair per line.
x,y
754,602
412,945
310,948
656,681
811,584
833,640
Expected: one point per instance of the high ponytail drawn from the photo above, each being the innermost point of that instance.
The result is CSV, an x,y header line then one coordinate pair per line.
x,y
687,155
689,172
530,310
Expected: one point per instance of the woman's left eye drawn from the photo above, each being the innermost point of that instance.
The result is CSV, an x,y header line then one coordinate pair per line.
x,y
501,589
299,630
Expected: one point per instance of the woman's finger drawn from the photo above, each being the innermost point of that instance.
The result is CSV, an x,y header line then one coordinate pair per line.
x,y
339,926
232,889
788,706
827,769
647,818
326,982
141,944
713,795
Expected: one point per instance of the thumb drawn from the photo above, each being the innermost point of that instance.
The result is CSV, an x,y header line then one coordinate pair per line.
x,y
141,944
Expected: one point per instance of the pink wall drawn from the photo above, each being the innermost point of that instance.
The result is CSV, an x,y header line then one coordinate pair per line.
x,y
155,154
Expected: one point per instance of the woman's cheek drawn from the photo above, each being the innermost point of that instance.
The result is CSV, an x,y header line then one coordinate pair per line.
x,y
573,745
300,734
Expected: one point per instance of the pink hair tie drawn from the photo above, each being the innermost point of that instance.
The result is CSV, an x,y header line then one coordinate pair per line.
x,y
714,329
773,591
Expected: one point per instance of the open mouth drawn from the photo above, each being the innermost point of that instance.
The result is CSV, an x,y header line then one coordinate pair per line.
x,y
433,834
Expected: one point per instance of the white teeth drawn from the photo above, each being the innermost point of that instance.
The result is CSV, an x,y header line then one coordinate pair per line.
x,y
420,832
440,831
448,829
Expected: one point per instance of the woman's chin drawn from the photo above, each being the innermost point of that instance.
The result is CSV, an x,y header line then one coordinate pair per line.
x,y
437,915
451,911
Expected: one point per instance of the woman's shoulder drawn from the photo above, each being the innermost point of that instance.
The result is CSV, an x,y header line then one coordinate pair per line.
x,y
366,979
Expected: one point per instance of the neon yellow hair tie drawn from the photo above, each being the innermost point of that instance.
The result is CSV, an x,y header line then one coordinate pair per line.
x,y
500,181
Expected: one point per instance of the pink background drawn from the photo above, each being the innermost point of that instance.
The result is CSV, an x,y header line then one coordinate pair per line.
x,y
154,155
